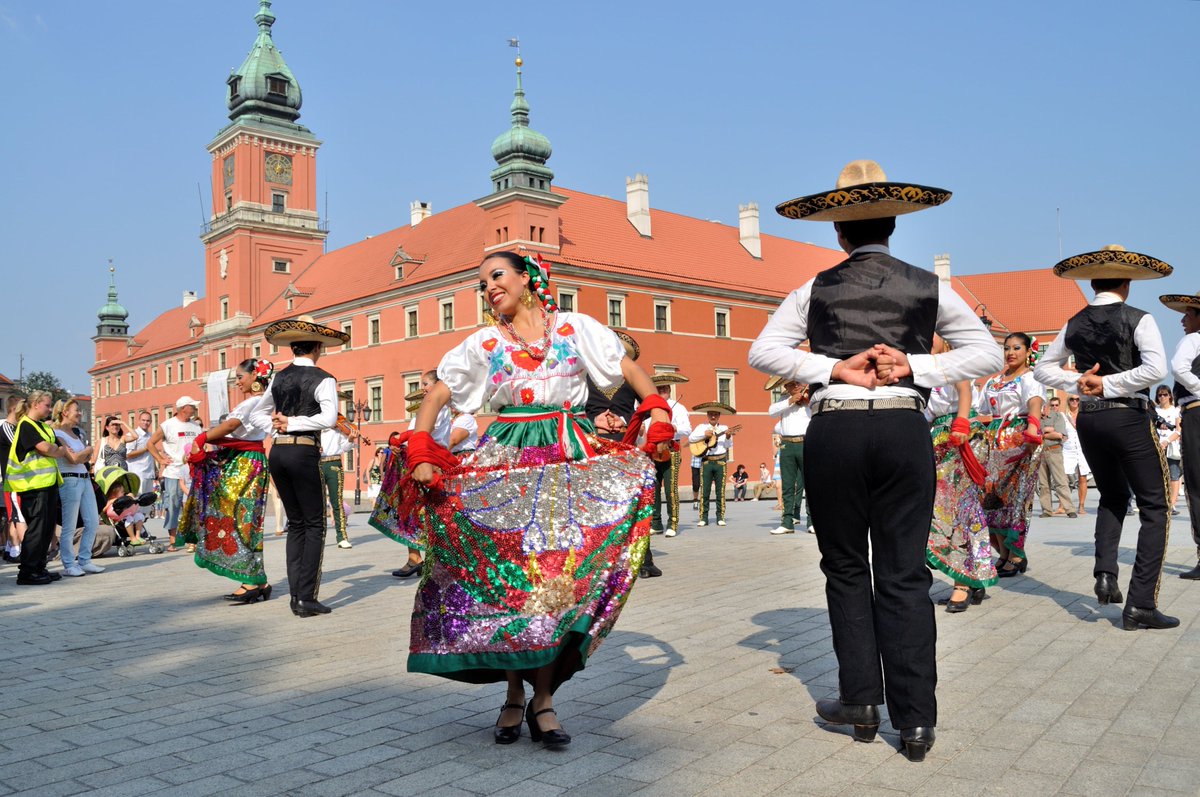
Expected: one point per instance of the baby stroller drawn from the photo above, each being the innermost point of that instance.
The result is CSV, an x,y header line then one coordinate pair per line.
x,y
124,508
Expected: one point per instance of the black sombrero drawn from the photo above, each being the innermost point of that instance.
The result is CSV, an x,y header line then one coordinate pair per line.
x,y
1181,302
303,329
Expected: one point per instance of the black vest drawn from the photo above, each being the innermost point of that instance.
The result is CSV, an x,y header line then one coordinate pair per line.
x,y
295,390
621,403
1103,333
873,298
1180,391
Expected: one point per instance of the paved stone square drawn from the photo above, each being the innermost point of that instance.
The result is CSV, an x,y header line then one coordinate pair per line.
x,y
142,680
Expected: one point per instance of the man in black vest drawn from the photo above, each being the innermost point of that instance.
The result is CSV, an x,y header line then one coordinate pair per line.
x,y
301,401
868,456
1119,355
1185,365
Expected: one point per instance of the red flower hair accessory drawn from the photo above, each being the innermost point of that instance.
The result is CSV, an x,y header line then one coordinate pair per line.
x,y
264,369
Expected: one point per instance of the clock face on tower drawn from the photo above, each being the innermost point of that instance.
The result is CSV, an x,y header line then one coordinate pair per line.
x,y
227,168
279,168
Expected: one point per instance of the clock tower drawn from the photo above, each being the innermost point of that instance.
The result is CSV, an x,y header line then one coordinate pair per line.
x,y
264,227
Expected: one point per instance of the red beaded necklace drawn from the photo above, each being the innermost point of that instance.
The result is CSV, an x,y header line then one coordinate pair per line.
x,y
538,350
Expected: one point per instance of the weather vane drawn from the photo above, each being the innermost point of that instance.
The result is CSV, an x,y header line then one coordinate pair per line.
x,y
516,43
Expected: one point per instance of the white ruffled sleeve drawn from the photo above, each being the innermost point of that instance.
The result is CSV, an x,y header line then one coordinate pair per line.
x,y
1030,389
464,369
600,349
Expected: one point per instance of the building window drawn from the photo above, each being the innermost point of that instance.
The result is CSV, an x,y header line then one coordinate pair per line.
x,y
373,330
662,316
108,386
224,309
167,371
228,202
195,369
566,300
616,311
154,418
722,316
281,266
274,349
221,359
277,85
347,328
234,84
412,383
447,306
725,388
256,351
410,321
278,202
180,371
142,379
154,376
376,393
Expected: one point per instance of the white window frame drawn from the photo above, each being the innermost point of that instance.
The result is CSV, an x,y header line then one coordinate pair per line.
x,y
412,312
224,308
374,330
573,293
664,303
731,375
717,312
287,266
443,303
348,328
372,385
616,297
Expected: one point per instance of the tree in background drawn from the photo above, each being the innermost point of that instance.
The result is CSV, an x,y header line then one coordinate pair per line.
x,y
43,380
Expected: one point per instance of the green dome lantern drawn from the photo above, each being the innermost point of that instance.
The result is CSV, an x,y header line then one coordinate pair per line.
x,y
521,152
112,315
263,86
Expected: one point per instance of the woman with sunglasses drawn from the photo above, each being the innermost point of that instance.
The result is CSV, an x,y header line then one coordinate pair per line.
x,y
1166,421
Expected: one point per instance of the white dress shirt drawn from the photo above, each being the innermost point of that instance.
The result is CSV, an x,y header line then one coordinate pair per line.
x,y
975,352
1146,337
334,443
722,445
793,418
326,395
679,419
1181,365
465,421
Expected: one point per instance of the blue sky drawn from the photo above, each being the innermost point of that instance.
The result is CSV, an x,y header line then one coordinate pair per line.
x,y
1020,108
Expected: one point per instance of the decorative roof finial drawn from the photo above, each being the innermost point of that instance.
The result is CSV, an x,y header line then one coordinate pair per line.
x,y
264,18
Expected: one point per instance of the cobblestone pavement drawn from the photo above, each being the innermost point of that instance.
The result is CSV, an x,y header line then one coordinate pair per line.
x,y
142,680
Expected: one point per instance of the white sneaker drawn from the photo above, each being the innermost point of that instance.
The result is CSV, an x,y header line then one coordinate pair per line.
x,y
702,523
92,568
670,533
783,530
811,530
345,544
73,571
720,522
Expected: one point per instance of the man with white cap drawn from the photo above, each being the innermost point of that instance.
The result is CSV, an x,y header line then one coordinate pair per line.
x,y
1185,365
175,435
868,456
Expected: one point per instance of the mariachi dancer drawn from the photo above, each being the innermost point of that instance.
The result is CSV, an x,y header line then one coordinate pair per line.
x,y
1119,355
711,441
1185,365
666,478
793,419
301,401
870,322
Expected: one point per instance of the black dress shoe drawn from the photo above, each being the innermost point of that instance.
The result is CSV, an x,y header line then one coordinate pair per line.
x,y
1133,618
410,569
917,741
51,576
1107,590
865,719
954,607
33,579
507,734
649,571
558,737
1193,574
309,608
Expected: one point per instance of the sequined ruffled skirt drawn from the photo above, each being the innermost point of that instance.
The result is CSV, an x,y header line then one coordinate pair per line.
x,y
386,517
223,514
530,555
959,544
1011,479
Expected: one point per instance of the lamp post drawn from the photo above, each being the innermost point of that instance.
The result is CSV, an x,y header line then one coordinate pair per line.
x,y
356,413
981,310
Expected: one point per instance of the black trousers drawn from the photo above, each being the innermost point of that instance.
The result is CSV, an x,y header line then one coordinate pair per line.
x,y
296,470
1190,443
870,478
42,513
1122,448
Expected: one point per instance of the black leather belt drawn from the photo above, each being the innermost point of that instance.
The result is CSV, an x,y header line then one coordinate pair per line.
x,y
859,405
294,439
1121,402
793,439
71,475
720,458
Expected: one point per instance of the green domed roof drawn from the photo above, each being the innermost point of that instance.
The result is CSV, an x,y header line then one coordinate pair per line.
x,y
113,309
263,85
521,152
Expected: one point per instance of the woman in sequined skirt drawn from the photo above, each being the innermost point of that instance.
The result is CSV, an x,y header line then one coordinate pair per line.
x,y
533,542
959,544
223,514
1011,406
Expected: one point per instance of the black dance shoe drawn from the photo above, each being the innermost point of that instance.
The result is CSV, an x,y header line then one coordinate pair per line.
x,y
1107,590
507,734
410,569
1193,574
308,608
917,741
553,738
1134,618
1008,568
865,719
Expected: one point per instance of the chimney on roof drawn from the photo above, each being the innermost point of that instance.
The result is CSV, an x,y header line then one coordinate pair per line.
x,y
188,297
941,267
420,211
637,200
748,229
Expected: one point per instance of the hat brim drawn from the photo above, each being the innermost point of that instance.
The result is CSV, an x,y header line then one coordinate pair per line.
x,y
1180,302
416,395
714,406
1112,264
669,379
283,333
631,346
775,381
413,406
862,202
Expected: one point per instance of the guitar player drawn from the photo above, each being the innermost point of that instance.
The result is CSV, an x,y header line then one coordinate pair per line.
x,y
711,442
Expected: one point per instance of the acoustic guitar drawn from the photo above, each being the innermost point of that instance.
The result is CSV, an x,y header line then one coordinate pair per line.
x,y
701,448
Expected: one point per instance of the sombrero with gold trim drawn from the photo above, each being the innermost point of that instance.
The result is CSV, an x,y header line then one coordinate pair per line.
x,y
1181,302
670,378
631,347
777,381
413,406
416,395
714,406
1112,262
302,329
863,192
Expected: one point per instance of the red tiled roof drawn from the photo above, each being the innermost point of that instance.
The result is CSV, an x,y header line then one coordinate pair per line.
x,y
1023,301
5,381
168,331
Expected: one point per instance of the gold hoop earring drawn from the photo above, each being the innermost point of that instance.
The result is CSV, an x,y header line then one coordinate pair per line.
x,y
489,317
527,298
256,387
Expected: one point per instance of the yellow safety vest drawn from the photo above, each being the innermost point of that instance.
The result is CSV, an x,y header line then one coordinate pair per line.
x,y
37,471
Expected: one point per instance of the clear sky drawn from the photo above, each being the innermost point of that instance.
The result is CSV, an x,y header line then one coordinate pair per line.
x,y
1021,108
